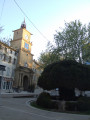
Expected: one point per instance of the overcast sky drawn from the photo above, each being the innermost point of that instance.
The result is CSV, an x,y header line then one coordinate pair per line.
x,y
46,15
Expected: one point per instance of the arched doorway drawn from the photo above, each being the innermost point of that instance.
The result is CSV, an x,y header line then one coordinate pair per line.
x,y
25,83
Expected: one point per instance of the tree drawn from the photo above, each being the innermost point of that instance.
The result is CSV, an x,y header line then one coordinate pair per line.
x,y
4,40
70,41
86,52
86,46
65,75
47,58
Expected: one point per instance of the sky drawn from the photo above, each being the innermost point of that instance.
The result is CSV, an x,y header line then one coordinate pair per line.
x,y
46,15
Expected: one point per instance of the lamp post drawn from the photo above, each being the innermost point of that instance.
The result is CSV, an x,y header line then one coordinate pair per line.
x,y
2,68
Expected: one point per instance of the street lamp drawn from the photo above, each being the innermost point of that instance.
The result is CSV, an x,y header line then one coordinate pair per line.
x,y
2,68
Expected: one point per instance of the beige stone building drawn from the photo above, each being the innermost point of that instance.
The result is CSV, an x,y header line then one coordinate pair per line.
x,y
8,58
24,72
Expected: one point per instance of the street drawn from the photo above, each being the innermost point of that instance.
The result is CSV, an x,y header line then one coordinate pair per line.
x,y
19,109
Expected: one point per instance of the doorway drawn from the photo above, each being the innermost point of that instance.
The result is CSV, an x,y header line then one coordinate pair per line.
x,y
25,83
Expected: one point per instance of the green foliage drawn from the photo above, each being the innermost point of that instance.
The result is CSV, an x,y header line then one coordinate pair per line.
x,y
71,106
71,40
67,94
71,43
86,52
83,104
56,75
67,74
47,58
45,80
44,100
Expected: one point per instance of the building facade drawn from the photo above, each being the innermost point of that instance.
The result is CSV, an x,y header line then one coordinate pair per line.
x,y
8,58
24,73
37,72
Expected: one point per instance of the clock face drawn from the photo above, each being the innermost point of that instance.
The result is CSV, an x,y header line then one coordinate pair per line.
x,y
26,37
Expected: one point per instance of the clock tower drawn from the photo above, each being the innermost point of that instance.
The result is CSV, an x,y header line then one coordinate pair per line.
x,y
21,43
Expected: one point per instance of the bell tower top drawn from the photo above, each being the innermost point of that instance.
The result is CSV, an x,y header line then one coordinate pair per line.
x,y
21,38
23,25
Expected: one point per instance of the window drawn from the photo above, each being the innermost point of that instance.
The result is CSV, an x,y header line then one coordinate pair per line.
x,y
15,53
11,51
5,49
8,71
26,46
4,57
14,61
13,72
9,59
